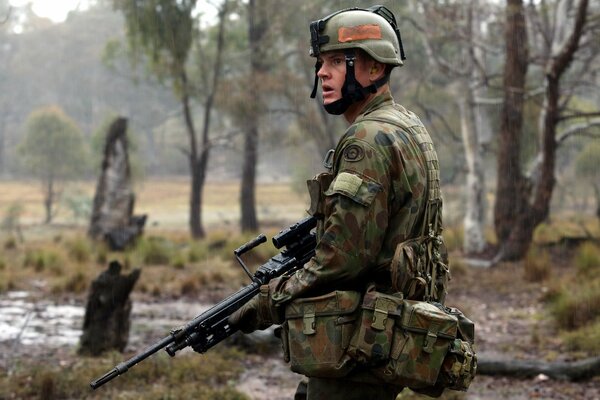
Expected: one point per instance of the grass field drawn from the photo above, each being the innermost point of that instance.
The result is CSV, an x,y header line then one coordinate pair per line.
x,y
165,200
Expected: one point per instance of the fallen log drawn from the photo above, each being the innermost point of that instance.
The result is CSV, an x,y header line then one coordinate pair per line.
x,y
562,370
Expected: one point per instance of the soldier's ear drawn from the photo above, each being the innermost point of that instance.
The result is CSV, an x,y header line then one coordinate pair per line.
x,y
377,71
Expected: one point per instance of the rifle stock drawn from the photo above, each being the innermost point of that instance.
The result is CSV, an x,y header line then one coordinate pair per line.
x,y
211,327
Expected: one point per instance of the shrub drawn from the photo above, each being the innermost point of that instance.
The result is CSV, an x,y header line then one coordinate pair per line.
x,y
155,251
10,243
587,259
537,265
79,250
577,306
585,339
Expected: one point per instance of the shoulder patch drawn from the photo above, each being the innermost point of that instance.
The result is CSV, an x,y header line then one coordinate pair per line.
x,y
347,183
353,153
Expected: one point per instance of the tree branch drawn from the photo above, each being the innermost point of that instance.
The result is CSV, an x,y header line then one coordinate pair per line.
x,y
579,115
579,130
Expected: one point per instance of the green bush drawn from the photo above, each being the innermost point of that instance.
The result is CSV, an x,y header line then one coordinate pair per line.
x,y
586,339
155,251
79,250
42,260
577,305
587,259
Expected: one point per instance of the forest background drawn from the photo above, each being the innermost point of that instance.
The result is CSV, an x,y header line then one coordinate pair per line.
x,y
223,134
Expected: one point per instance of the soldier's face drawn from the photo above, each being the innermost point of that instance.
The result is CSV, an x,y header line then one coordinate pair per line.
x,y
333,74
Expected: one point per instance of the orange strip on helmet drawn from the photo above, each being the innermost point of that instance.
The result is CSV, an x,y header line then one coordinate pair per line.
x,y
360,32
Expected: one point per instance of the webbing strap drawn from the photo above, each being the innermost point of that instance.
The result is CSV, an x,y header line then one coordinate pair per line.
x,y
431,227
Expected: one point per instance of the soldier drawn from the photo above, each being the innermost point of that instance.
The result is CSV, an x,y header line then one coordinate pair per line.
x,y
381,188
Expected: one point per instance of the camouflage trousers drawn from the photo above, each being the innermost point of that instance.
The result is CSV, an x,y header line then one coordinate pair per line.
x,y
341,389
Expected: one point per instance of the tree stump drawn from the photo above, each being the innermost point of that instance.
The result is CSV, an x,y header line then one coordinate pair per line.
x,y
106,322
112,214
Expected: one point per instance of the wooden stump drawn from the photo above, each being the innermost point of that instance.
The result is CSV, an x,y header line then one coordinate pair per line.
x,y
112,215
106,322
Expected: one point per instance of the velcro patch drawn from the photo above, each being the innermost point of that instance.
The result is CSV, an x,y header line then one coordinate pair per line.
x,y
353,153
360,32
347,183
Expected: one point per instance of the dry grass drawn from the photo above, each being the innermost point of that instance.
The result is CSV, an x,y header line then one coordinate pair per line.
x,y
187,376
165,200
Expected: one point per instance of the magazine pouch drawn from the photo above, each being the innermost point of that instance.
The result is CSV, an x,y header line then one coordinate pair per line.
x,y
319,331
372,340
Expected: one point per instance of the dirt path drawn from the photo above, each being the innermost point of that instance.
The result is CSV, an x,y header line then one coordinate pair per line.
x,y
511,323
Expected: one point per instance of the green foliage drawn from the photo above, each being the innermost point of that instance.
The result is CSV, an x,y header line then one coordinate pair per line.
x,y
587,162
42,259
587,260
577,305
79,249
154,251
585,339
162,29
52,148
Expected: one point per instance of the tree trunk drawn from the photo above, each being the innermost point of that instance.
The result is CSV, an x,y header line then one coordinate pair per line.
x,y
49,200
249,221
531,214
257,27
511,191
198,157
474,240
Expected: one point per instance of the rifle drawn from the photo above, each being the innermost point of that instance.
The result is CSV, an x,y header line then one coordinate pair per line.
x,y
211,327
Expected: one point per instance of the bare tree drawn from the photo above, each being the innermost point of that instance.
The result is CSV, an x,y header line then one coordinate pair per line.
x,y
455,28
569,37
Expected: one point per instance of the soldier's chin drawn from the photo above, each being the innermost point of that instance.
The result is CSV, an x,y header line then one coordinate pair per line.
x,y
330,99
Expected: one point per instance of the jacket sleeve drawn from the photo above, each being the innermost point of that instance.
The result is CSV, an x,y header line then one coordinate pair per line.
x,y
355,222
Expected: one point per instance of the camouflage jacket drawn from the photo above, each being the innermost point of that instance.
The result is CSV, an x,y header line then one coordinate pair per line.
x,y
373,198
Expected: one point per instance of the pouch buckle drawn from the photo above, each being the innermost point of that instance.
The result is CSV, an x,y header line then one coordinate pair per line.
x,y
430,338
380,314
308,321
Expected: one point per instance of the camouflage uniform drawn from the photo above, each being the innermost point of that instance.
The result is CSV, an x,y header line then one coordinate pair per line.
x,y
373,199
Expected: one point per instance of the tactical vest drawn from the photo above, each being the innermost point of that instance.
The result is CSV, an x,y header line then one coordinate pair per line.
x,y
419,268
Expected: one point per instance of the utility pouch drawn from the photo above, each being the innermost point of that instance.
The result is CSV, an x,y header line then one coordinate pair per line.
x,y
372,339
460,365
316,189
408,269
420,345
319,332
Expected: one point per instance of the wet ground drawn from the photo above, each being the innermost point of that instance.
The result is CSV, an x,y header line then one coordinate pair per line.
x,y
510,324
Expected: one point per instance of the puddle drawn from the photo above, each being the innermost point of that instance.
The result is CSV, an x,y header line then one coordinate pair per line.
x,y
28,321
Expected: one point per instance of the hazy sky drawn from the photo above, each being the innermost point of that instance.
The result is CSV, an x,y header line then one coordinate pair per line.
x,y
56,10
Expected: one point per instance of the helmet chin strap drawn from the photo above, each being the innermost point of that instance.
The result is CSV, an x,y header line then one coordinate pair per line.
x,y
352,90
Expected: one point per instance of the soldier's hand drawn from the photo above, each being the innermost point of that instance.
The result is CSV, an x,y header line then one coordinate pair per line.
x,y
246,319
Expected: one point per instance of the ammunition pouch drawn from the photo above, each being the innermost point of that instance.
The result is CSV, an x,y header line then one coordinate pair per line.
x,y
422,345
318,333
419,269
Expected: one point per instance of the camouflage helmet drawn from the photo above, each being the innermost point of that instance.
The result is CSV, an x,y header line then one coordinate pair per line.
x,y
373,30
